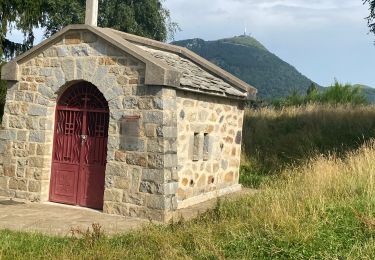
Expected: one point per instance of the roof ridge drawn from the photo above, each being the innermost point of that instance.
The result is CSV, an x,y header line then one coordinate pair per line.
x,y
186,53
149,42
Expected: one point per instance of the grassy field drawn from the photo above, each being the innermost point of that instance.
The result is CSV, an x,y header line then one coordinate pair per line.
x,y
275,140
319,206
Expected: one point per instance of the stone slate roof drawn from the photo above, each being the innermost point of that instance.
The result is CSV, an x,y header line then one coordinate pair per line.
x,y
166,64
194,77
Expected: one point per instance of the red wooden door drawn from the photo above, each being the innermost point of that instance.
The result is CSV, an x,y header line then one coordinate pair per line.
x,y
80,147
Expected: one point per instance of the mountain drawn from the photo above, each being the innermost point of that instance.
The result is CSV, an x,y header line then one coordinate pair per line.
x,y
368,91
249,60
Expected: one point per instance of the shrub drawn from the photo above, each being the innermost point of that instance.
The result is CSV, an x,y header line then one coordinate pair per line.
x,y
342,94
336,94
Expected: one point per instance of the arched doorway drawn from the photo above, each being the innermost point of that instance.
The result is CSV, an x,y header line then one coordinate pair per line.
x,y
80,147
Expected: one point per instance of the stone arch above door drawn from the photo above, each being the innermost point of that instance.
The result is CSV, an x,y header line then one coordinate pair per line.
x,y
112,71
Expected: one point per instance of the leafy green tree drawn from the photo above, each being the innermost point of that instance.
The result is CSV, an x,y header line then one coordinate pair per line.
x,y
22,15
146,18
371,17
335,94
312,89
343,94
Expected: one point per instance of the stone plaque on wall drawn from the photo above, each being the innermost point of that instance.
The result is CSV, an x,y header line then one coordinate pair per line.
x,y
130,126
130,133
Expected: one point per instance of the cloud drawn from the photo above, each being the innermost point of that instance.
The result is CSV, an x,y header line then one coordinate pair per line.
x,y
268,13
218,11
297,13
316,4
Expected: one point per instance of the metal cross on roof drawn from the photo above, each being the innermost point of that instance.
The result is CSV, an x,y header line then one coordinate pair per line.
x,y
91,12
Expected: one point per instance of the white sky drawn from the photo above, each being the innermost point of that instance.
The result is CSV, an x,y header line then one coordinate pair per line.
x,y
323,39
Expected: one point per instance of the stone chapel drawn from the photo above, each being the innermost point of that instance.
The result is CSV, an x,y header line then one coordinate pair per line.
x,y
107,120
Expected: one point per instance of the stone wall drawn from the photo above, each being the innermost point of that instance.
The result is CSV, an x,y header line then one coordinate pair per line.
x,y
209,147
147,186
141,178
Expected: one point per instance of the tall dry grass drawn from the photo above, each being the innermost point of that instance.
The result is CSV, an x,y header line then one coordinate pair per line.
x,y
275,139
324,209
309,190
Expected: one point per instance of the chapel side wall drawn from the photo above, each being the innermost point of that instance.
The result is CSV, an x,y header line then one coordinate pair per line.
x,y
141,173
207,167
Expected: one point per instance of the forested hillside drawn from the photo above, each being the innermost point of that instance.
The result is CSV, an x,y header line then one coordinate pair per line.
x,y
368,91
249,60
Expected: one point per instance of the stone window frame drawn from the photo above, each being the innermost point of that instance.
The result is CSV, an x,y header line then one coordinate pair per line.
x,y
205,148
201,146
196,145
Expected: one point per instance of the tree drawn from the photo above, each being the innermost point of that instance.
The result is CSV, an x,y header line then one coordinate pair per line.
x,y
23,15
312,90
146,18
335,94
371,17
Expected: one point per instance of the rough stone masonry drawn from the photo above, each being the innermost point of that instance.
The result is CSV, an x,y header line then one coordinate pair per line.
x,y
180,146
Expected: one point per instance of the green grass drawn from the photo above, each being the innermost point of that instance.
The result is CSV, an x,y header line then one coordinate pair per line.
x,y
252,178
